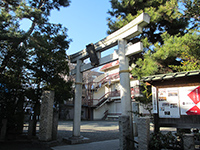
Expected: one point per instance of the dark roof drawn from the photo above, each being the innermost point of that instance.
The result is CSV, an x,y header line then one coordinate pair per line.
x,y
170,76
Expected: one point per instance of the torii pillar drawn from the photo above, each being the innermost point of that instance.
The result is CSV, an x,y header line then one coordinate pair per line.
x,y
124,78
77,102
125,120
76,137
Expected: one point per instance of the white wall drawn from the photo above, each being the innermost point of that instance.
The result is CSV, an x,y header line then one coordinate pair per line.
x,y
113,107
99,113
134,83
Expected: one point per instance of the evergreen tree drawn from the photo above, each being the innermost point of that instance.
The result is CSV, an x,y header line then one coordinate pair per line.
x,y
191,10
32,60
170,40
164,37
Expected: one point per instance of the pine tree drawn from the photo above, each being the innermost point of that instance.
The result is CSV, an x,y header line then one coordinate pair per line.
x,y
32,60
163,37
170,41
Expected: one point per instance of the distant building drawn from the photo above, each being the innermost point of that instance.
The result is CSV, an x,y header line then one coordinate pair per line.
x,y
101,94
104,94
67,109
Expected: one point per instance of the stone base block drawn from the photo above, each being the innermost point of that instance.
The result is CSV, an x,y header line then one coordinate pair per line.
x,y
76,140
188,142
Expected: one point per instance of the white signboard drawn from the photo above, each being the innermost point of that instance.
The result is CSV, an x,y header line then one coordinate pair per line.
x,y
173,102
168,102
154,100
190,100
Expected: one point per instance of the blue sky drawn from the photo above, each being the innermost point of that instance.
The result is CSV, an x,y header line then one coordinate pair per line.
x,y
85,20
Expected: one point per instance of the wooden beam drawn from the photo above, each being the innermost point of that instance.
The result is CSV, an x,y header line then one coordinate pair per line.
x,y
130,30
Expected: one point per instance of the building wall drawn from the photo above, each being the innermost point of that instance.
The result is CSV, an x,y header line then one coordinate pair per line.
x,y
118,106
99,113
114,105
98,94
112,108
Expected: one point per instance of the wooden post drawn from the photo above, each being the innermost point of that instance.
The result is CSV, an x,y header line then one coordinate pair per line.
x,y
3,129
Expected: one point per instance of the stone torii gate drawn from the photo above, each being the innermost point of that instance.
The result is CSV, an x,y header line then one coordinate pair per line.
x,y
125,50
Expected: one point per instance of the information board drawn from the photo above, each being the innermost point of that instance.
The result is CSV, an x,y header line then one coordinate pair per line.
x,y
173,102
190,100
168,102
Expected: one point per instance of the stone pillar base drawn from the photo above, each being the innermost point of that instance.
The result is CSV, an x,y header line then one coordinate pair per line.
x,y
188,142
76,140
143,132
124,133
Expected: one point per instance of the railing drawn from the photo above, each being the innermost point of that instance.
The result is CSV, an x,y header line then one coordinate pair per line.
x,y
106,79
105,115
116,93
103,98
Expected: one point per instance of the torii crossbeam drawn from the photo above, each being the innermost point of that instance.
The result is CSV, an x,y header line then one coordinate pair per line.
x,y
119,38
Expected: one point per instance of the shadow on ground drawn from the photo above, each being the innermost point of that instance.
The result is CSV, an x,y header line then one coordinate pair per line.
x,y
94,130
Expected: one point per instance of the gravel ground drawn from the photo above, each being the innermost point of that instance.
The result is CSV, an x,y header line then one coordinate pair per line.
x,y
94,130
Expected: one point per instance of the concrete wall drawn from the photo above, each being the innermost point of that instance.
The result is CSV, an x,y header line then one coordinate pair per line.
x,y
99,113
112,107
67,113
100,92
118,107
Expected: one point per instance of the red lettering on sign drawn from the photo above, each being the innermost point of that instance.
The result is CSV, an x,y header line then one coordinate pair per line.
x,y
194,95
193,111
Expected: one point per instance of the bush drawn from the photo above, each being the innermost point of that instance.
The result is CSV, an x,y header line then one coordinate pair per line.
x,y
166,141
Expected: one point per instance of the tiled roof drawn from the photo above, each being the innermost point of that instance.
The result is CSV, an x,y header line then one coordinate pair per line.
x,y
170,75
110,65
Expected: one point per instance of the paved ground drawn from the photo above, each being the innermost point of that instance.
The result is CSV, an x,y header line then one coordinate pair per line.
x,y
94,130
100,133
101,145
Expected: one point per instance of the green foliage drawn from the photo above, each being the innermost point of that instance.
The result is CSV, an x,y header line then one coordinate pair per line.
x,y
189,52
191,11
32,60
169,41
145,66
145,99
164,17
160,141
